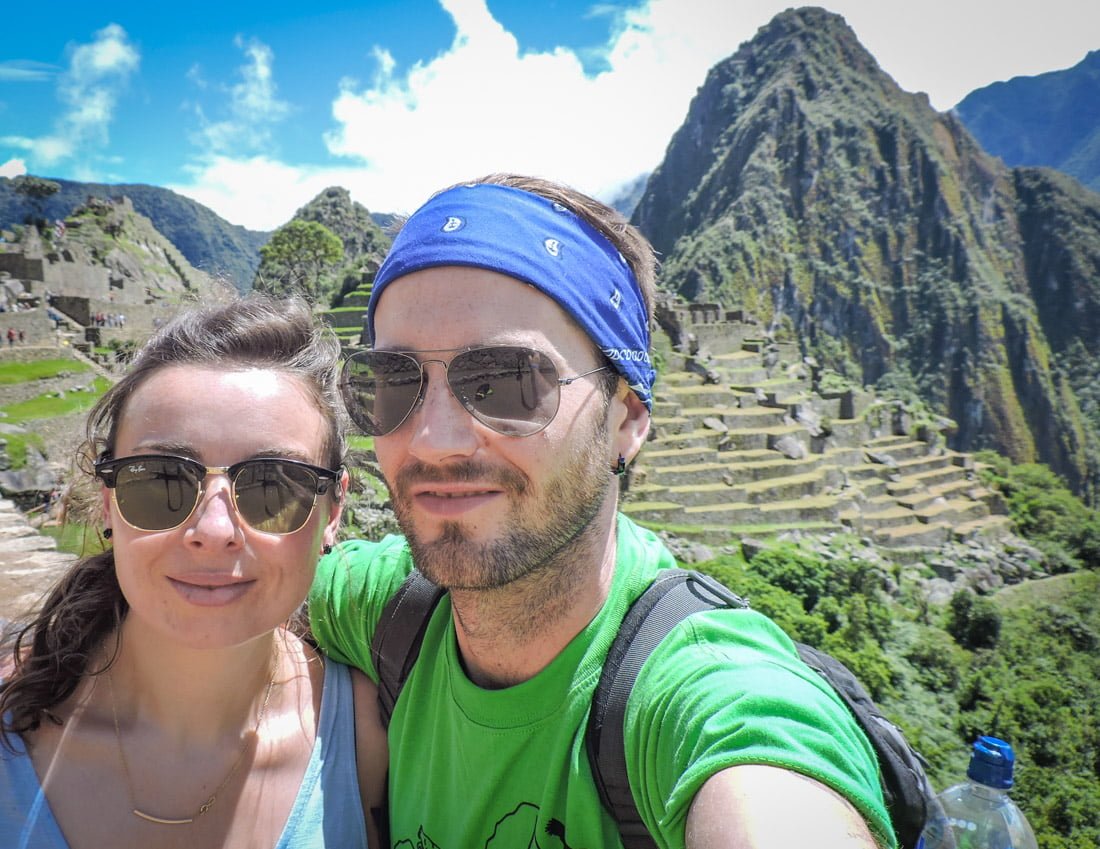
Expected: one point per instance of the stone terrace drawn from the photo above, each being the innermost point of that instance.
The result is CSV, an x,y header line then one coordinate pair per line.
x,y
742,444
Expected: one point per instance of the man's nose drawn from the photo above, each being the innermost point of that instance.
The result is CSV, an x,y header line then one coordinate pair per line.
x,y
441,426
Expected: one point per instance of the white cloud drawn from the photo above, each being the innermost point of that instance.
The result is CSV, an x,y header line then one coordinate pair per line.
x,y
13,168
253,108
258,192
25,71
484,104
89,88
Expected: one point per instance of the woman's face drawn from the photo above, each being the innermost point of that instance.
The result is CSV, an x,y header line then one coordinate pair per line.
x,y
214,581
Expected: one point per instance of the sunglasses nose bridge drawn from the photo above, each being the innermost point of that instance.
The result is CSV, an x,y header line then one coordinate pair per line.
x,y
426,383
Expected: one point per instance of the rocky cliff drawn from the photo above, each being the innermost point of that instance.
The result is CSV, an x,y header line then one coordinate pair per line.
x,y
808,188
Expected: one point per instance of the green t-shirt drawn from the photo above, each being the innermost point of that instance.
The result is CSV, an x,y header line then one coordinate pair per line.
x,y
504,768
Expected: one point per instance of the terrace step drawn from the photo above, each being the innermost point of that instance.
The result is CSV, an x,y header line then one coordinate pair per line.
x,y
696,438
654,454
930,478
955,511
885,443
677,377
737,417
817,509
917,465
922,498
909,449
788,487
984,527
913,535
671,424
891,517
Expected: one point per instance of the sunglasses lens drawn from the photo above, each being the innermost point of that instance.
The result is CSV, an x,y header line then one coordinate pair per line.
x,y
275,497
157,493
512,390
380,389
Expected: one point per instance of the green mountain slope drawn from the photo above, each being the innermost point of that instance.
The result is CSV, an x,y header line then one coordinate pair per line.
x,y
209,242
364,240
1050,119
806,187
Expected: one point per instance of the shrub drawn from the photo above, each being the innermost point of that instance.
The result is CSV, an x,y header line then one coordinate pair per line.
x,y
974,622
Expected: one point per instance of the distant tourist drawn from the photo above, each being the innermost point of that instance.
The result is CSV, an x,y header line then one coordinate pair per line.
x,y
11,336
165,693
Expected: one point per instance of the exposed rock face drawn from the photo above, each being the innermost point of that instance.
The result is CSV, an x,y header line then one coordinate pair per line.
x,y
806,187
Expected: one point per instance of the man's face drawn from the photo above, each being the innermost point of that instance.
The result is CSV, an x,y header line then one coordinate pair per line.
x,y
481,509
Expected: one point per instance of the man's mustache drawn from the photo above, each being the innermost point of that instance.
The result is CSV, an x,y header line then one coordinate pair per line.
x,y
466,471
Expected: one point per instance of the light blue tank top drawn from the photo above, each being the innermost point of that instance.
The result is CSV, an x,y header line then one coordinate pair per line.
x,y
327,812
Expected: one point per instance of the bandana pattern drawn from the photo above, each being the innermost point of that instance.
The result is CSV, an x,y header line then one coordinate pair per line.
x,y
540,242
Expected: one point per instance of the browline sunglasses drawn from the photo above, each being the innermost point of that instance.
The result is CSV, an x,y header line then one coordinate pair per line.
x,y
510,389
158,492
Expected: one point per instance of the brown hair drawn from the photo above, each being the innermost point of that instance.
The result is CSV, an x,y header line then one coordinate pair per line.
x,y
51,652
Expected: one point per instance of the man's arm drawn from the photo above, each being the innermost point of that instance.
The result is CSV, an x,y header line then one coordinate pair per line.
x,y
371,752
766,807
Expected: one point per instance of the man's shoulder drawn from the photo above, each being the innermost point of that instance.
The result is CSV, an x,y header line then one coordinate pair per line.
x,y
357,560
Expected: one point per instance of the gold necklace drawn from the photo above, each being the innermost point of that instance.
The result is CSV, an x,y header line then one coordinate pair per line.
x,y
209,803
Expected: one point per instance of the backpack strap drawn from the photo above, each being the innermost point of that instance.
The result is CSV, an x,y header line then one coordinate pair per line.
x,y
398,635
671,598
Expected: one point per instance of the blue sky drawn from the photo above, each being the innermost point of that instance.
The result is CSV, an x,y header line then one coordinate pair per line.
x,y
252,109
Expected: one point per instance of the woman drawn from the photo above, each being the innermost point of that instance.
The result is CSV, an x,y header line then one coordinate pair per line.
x,y
165,694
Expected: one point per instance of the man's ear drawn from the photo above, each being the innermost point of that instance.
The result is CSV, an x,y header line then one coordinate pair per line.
x,y
633,423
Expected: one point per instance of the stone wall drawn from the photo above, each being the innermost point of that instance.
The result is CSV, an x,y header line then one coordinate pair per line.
x,y
22,267
36,327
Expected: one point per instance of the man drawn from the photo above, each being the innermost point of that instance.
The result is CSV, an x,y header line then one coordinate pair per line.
x,y
507,386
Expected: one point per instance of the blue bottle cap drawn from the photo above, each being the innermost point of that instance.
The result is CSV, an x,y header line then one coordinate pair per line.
x,y
991,763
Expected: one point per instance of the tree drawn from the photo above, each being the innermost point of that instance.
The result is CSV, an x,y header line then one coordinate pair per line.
x,y
294,261
35,190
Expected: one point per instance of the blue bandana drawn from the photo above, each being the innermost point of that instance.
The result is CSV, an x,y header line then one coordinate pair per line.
x,y
540,242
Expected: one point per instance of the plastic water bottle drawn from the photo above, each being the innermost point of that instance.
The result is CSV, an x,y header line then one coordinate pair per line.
x,y
978,814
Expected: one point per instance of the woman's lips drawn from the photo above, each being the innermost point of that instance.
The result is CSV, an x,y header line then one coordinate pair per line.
x,y
211,590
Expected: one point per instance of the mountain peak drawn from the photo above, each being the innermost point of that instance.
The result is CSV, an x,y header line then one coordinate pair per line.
x,y
808,189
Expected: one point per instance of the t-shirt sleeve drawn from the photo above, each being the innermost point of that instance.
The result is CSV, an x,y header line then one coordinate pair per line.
x,y
727,688
350,590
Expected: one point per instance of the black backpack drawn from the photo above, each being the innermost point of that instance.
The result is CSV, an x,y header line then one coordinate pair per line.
x,y
673,596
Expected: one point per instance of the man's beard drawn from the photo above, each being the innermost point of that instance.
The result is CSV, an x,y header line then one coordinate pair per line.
x,y
538,531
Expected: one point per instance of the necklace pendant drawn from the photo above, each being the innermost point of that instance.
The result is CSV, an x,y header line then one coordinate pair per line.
x,y
161,820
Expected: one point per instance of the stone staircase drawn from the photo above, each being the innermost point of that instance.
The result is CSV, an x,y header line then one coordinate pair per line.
x,y
29,563
742,444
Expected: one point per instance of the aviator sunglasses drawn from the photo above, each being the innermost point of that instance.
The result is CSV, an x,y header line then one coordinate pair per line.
x,y
158,492
512,390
